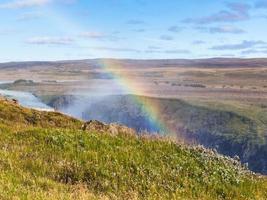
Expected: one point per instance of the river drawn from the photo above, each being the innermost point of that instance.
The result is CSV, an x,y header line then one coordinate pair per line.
x,y
25,99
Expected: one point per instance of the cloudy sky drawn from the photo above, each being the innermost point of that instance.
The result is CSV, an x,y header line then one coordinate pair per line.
x,y
79,29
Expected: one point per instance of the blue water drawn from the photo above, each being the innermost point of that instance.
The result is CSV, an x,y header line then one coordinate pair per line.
x,y
25,99
3,82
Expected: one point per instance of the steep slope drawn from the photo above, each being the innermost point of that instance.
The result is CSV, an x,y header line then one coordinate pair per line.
x,y
14,115
48,156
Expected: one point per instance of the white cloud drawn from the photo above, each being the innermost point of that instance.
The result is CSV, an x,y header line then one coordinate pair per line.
x,y
239,46
115,49
175,29
166,37
226,29
100,36
7,31
31,3
236,12
94,35
50,40
24,3
30,16
170,51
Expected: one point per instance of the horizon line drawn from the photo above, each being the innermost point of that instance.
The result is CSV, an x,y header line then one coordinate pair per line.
x,y
137,59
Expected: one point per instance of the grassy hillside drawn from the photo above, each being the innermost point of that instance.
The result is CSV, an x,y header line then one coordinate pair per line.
x,y
14,115
48,156
233,128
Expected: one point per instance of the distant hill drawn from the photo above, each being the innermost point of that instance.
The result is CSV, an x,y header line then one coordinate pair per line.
x,y
47,155
94,63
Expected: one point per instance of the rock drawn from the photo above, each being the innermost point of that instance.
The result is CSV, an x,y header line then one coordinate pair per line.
x,y
113,129
15,101
236,157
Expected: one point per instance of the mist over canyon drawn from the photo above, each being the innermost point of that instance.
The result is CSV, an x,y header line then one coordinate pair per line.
x,y
122,109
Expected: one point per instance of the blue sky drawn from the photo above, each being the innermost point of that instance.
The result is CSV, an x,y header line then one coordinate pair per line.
x,y
140,29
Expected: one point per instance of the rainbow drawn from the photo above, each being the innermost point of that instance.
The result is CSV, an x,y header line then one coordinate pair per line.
x,y
123,77
120,75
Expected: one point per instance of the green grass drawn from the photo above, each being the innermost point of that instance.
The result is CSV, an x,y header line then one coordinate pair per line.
x,y
49,157
232,127
17,116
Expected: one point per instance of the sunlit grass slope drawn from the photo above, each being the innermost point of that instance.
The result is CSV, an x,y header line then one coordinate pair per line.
x,y
47,156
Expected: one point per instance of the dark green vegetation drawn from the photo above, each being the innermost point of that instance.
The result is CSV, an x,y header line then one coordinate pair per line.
x,y
16,83
47,156
230,130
